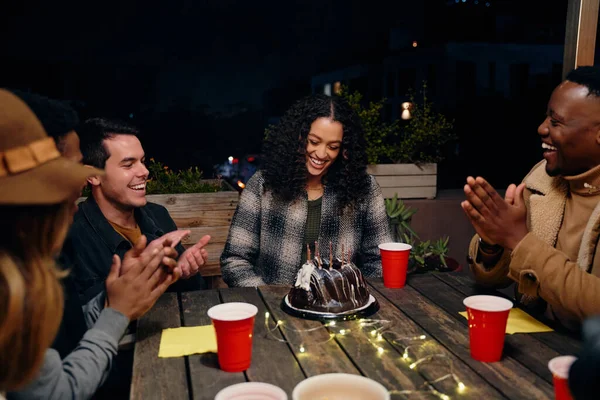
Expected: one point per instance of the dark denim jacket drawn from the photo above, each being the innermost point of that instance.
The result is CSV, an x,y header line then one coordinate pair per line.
x,y
93,241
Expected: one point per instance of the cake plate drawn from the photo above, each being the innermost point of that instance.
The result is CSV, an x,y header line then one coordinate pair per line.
x,y
370,308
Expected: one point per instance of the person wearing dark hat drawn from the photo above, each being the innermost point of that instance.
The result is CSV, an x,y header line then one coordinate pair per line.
x,y
59,120
38,188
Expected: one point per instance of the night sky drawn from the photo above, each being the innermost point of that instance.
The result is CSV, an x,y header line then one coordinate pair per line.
x,y
194,74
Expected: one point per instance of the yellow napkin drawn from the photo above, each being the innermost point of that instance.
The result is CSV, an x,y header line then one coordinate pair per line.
x,y
177,342
521,322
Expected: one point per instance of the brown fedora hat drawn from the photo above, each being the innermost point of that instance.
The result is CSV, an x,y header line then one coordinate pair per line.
x,y
32,171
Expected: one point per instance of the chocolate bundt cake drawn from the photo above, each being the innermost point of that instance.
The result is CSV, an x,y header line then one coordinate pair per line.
x,y
330,286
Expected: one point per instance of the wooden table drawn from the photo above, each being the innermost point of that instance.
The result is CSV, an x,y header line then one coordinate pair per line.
x,y
428,305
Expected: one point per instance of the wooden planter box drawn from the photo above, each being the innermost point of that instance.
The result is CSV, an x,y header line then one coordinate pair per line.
x,y
410,181
203,214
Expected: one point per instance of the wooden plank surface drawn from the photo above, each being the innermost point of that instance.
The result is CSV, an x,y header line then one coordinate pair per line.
x,y
429,305
272,361
410,192
522,347
211,269
580,34
185,202
402,169
561,341
406,180
403,328
218,234
321,355
153,377
507,376
194,218
206,377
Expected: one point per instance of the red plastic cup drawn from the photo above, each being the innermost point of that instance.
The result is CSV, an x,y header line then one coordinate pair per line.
x,y
234,323
394,262
559,366
488,316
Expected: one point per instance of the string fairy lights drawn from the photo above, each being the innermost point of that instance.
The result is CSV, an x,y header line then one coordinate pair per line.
x,y
377,331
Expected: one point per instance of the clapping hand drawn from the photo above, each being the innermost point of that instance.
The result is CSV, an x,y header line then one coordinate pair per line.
x,y
135,283
496,220
166,243
193,258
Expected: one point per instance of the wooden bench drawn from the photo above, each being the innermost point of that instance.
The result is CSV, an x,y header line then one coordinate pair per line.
x,y
203,214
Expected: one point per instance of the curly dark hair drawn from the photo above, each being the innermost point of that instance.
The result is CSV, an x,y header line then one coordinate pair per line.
x,y
284,151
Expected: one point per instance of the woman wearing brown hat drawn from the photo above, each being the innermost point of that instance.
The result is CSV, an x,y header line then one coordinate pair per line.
x,y
37,192
37,189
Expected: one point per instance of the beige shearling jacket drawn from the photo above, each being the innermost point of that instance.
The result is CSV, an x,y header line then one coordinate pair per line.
x,y
570,287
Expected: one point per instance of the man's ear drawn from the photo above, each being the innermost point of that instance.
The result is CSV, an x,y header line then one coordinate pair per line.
x,y
93,180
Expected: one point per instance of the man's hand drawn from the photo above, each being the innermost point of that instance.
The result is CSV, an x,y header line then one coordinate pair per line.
x,y
173,238
166,242
135,291
193,258
496,220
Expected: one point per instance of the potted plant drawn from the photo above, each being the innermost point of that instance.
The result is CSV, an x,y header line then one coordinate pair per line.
x,y
403,156
424,255
163,180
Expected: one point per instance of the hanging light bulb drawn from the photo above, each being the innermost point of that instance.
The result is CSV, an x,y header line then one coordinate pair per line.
x,y
406,110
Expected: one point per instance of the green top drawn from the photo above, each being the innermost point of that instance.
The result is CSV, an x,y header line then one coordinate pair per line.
x,y
313,223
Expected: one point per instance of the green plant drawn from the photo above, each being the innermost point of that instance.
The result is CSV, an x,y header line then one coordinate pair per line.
x,y
425,255
440,249
164,180
376,130
399,216
423,138
420,253
420,140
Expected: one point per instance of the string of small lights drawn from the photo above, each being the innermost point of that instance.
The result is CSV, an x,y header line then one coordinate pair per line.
x,y
380,330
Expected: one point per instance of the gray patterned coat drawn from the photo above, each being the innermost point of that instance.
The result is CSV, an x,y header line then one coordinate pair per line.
x,y
266,237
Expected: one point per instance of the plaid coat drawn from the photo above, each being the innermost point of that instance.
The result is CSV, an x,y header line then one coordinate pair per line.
x,y
266,237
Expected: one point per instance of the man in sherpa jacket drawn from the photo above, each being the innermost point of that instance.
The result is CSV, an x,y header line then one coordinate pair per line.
x,y
544,234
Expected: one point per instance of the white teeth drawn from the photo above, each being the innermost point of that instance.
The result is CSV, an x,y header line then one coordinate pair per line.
x,y
318,162
547,146
138,187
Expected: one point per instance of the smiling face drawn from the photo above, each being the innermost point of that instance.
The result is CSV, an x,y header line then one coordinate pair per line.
x,y
124,185
571,131
323,146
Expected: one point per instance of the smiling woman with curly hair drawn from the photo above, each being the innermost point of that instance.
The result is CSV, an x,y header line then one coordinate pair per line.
x,y
313,186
